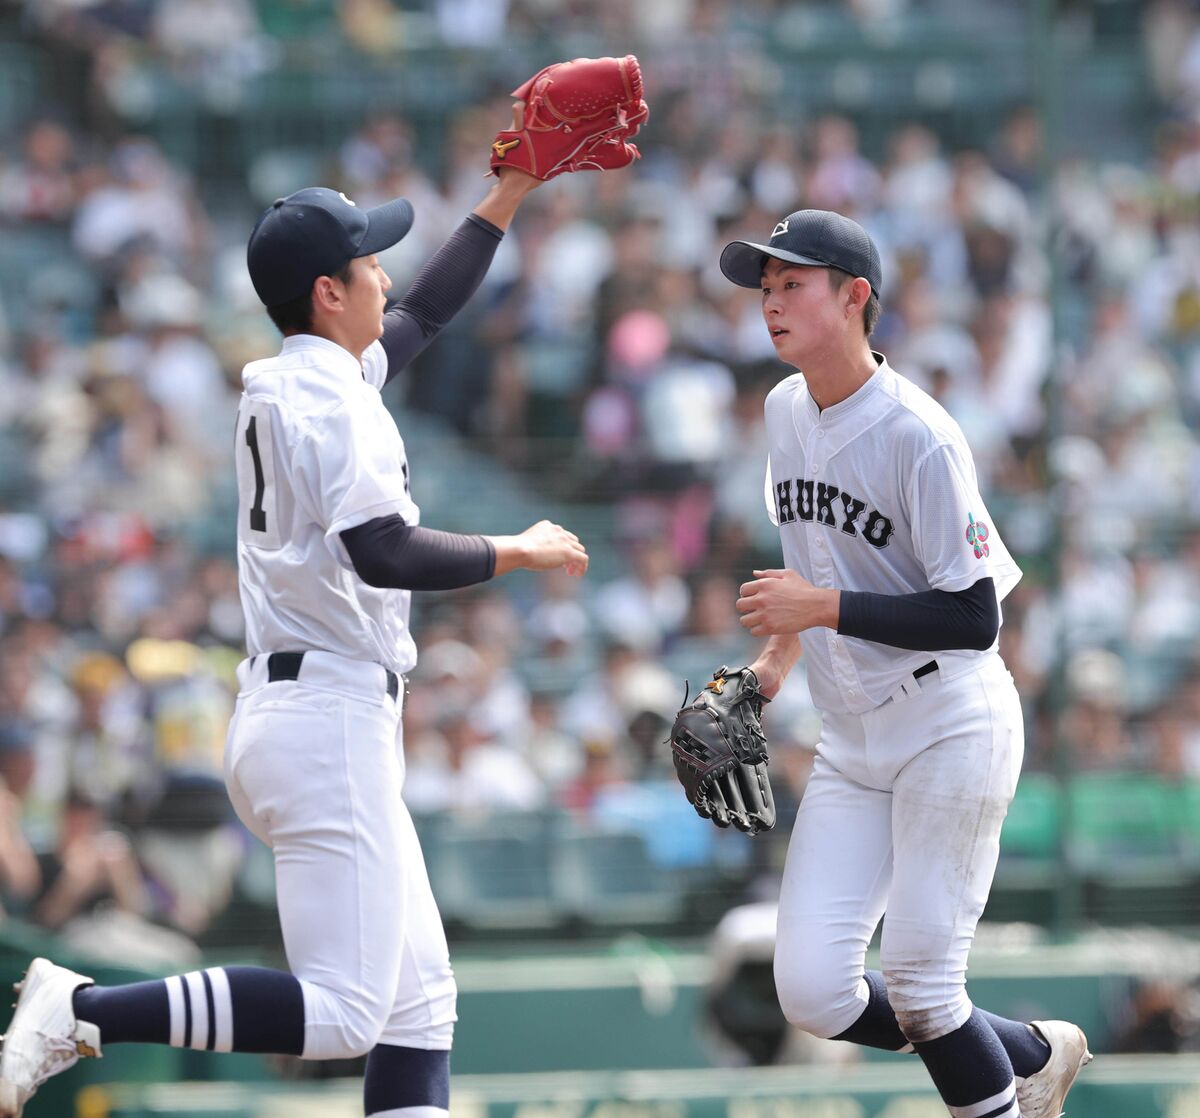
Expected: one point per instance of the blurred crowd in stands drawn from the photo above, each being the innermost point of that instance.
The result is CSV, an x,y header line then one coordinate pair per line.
x,y
605,362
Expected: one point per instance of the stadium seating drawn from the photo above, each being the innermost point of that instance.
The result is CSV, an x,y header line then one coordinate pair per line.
x,y
1129,843
606,878
545,871
1126,843
1031,830
497,875
1123,825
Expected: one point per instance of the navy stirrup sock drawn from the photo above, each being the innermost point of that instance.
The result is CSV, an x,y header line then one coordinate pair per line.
x,y
139,1012
971,1071
222,1009
877,1028
1027,1051
399,1078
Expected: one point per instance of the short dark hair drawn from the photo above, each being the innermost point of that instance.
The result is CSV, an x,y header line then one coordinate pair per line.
x,y
295,316
837,280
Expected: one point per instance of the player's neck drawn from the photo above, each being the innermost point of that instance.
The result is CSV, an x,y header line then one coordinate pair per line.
x,y
836,376
332,332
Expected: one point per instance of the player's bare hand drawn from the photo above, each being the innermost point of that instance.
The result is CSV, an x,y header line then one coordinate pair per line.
x,y
781,602
548,545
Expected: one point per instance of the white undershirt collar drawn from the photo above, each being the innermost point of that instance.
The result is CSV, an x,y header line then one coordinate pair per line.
x,y
336,357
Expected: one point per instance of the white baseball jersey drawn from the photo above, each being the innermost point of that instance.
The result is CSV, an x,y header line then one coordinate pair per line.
x,y
317,453
877,493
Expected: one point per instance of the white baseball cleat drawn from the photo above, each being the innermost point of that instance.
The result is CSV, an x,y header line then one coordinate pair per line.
x,y
44,1037
1043,1093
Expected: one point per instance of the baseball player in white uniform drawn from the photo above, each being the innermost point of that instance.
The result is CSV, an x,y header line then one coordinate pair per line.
x,y
330,548
892,588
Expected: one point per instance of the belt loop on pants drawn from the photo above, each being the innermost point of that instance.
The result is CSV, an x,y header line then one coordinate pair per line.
x,y
327,668
908,689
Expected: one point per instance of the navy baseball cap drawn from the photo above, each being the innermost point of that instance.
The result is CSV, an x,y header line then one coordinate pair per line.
x,y
317,232
819,238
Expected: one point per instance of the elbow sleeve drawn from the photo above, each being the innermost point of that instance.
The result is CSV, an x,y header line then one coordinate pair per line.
x,y
389,554
989,613
930,621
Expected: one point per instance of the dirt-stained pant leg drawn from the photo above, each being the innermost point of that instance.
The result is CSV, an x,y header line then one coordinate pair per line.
x,y
949,804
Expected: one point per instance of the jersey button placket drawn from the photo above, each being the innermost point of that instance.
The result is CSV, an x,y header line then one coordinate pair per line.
x,y
815,445
843,665
822,561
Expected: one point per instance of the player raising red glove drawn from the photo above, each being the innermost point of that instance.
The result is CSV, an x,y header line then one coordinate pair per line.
x,y
577,116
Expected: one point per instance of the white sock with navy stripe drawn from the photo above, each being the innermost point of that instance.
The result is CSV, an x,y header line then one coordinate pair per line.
x,y
222,1009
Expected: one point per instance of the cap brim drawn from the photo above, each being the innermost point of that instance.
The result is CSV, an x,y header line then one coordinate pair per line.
x,y
386,225
742,261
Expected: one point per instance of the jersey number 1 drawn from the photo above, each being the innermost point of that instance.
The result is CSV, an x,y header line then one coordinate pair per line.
x,y
259,518
258,515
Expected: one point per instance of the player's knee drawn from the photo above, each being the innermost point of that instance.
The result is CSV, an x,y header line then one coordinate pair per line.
x,y
815,995
357,1033
926,1005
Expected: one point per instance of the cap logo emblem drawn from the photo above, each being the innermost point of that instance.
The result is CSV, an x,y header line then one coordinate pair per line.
x,y
782,227
348,201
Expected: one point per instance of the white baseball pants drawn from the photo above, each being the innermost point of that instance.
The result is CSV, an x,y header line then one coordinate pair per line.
x,y
315,769
902,813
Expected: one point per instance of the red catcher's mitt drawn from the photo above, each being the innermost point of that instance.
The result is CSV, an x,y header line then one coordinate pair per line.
x,y
578,116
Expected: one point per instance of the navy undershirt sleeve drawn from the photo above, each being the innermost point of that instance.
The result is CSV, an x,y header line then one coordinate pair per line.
x,y
386,552
929,621
440,291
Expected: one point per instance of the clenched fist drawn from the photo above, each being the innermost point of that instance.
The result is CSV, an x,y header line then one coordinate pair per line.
x,y
780,602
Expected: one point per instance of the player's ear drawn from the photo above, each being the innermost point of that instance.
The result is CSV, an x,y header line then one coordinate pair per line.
x,y
326,294
856,293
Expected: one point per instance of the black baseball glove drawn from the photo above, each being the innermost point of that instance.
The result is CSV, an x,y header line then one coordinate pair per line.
x,y
720,752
